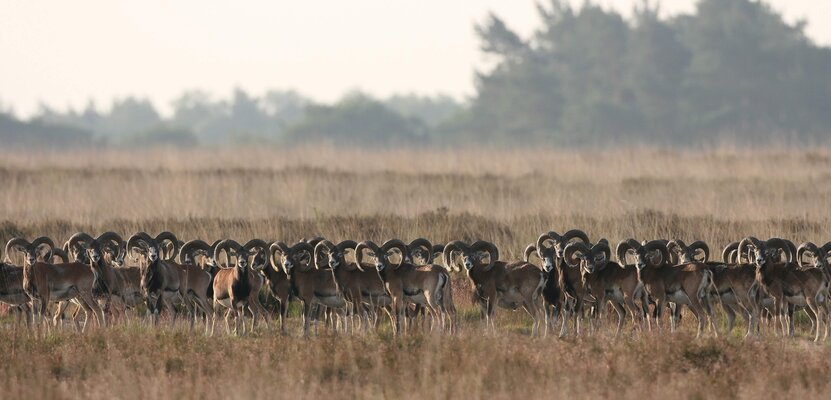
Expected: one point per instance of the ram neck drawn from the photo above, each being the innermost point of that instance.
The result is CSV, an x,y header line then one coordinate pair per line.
x,y
100,265
769,271
560,265
591,277
648,273
386,274
156,265
341,274
271,273
478,274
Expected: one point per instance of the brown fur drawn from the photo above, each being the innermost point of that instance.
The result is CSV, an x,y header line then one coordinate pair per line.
x,y
427,286
313,286
498,283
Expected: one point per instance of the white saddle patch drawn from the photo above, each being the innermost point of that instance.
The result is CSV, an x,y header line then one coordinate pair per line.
x,y
417,299
798,300
678,297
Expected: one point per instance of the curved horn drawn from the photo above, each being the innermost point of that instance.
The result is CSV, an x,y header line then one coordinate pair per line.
x,y
110,236
314,240
187,254
255,244
807,247
396,244
241,252
346,245
700,245
572,249
117,252
624,247
679,249
214,244
574,234
16,243
530,249
363,246
541,240
602,246
437,250
791,248
113,238
325,245
488,247
728,253
60,253
676,245
424,244
275,247
299,248
73,245
218,251
79,237
665,243
447,253
168,237
661,247
421,242
208,254
785,245
746,243
321,247
40,241
733,256
227,245
136,240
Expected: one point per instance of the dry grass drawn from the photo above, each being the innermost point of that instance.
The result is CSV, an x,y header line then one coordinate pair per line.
x,y
137,362
506,196
502,185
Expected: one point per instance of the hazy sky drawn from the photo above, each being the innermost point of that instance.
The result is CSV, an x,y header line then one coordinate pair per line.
x,y
66,52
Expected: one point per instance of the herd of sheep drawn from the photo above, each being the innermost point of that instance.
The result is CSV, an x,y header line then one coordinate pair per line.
x,y
352,285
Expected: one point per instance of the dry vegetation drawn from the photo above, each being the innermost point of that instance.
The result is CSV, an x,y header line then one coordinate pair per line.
x,y
137,362
507,197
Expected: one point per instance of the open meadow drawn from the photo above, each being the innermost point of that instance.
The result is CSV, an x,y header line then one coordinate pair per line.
x,y
507,197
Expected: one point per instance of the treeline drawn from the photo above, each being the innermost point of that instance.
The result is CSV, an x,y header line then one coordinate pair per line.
x,y
733,68
278,117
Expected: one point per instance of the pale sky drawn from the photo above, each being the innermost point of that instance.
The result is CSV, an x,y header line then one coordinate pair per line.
x,y
63,53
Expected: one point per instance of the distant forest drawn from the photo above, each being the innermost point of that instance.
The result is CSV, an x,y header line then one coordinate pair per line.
x,y
587,75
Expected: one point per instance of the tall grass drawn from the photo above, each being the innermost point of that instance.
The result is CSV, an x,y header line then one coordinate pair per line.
x,y
502,185
133,361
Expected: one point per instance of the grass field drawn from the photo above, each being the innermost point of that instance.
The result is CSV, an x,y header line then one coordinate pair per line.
x,y
505,196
